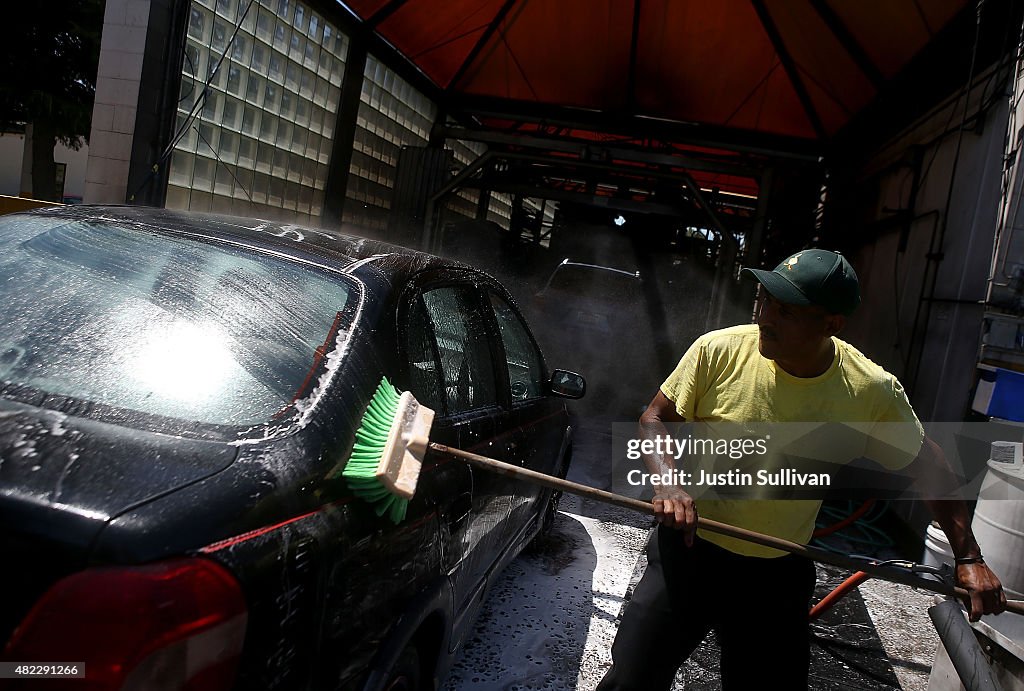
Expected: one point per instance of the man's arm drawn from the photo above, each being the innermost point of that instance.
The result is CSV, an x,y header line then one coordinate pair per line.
x,y
673,507
987,595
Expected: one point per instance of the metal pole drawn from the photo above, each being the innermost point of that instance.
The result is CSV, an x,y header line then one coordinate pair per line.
x,y
336,186
432,203
726,258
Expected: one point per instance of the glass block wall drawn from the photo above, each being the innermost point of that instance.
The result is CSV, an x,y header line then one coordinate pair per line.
x,y
464,202
500,209
392,114
260,142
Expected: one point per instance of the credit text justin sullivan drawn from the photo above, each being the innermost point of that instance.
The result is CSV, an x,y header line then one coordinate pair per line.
x,y
787,477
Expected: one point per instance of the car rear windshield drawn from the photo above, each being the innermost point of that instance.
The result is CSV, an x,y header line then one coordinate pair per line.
x,y
132,319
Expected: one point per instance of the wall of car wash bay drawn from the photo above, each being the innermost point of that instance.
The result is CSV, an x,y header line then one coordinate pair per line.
x,y
926,210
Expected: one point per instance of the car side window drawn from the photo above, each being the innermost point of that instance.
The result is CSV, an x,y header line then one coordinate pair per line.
x,y
463,347
523,360
421,353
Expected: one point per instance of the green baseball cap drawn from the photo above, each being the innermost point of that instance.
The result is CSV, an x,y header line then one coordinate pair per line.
x,y
813,277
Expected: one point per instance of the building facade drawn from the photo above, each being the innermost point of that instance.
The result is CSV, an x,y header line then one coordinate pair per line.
x,y
280,109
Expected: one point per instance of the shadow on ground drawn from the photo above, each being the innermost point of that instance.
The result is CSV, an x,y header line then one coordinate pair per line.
x,y
846,651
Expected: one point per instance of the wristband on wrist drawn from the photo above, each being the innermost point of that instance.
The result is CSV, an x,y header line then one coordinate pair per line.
x,y
970,560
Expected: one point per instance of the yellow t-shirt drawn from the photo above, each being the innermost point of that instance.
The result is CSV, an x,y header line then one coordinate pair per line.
x,y
724,378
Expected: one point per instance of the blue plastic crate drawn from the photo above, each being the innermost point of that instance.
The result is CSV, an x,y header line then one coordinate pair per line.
x,y
1000,393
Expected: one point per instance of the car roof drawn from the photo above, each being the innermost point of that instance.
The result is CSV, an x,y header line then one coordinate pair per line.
x,y
334,248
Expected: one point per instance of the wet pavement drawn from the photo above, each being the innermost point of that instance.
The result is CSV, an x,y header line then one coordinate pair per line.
x,y
551,617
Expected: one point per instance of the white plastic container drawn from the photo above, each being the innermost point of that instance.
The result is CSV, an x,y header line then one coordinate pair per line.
x,y
999,524
936,547
999,528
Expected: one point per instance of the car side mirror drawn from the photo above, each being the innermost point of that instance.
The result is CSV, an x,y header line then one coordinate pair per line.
x,y
567,384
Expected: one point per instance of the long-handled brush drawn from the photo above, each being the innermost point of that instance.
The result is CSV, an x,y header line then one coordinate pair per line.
x,y
391,449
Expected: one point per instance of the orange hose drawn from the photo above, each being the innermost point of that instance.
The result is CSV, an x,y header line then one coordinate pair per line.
x,y
852,518
841,590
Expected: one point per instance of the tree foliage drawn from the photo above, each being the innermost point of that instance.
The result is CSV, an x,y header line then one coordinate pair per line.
x,y
49,61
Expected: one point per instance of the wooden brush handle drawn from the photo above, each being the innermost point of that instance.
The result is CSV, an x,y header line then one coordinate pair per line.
x,y
813,553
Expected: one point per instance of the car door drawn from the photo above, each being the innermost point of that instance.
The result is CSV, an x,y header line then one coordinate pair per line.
x,y
539,420
451,368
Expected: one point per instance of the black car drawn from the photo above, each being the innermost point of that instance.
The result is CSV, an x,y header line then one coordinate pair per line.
x,y
178,394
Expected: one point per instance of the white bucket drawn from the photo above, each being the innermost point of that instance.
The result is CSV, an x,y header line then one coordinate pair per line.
x,y
1007,454
999,528
936,547
999,525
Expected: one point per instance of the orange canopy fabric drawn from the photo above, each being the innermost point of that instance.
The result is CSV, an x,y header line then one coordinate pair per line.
x,y
797,68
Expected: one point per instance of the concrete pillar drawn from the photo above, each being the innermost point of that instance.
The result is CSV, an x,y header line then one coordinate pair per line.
x,y
125,25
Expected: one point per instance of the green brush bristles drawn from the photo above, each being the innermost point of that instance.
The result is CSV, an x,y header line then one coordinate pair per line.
x,y
371,437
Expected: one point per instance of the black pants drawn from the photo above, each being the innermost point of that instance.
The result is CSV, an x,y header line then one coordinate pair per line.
x,y
758,608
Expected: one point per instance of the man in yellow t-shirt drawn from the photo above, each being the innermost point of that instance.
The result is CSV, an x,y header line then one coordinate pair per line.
x,y
789,367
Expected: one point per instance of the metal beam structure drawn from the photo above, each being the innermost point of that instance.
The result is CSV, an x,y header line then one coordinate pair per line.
x,y
384,12
484,38
465,174
698,196
755,239
578,197
688,133
552,168
548,168
361,32
849,43
594,149
540,180
336,185
566,169
788,64
634,49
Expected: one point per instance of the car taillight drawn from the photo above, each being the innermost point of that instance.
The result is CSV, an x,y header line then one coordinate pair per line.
x,y
177,624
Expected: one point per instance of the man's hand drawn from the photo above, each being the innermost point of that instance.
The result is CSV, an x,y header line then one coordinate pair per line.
x,y
674,508
986,591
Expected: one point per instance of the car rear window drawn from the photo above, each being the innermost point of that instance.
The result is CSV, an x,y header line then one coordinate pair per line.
x,y
134,319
